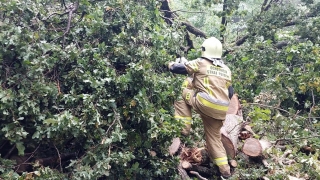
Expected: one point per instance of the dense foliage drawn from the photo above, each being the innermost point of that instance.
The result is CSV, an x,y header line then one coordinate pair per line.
x,y
97,92
85,92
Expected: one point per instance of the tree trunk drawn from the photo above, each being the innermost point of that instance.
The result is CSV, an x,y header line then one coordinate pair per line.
x,y
230,132
234,106
232,127
233,163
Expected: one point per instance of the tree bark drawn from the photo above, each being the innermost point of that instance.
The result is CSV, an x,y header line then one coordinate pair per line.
x,y
223,20
235,106
230,132
193,29
183,173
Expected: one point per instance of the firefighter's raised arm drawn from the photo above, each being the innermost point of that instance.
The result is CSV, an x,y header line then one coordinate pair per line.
x,y
178,67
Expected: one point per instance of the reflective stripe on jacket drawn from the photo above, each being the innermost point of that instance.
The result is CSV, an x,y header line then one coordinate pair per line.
x,y
212,83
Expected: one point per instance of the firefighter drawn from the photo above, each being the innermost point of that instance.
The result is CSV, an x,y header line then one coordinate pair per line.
x,y
207,90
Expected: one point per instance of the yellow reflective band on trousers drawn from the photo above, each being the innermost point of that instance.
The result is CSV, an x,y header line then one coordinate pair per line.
x,y
186,120
221,161
211,105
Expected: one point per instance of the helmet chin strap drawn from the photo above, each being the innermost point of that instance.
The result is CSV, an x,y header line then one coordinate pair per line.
x,y
215,61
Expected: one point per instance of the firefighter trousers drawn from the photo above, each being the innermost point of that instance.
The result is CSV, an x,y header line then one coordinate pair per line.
x,y
211,125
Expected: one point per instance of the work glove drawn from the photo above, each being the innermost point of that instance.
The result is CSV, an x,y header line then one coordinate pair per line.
x,y
181,60
170,64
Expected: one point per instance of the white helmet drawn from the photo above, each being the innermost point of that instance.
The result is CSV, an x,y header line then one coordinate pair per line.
x,y
211,49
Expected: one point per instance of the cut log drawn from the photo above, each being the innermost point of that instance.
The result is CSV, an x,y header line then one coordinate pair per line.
x,y
254,147
265,144
183,173
228,145
233,163
174,147
230,133
234,106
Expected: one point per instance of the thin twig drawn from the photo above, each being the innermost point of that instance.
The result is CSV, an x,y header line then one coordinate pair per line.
x,y
167,18
263,105
9,153
295,115
74,24
111,125
72,8
59,157
32,154
310,111
3,144
53,15
117,117
180,10
109,151
25,162
198,175
58,86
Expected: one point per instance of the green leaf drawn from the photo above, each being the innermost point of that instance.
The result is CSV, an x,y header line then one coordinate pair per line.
x,y
20,148
50,121
245,58
35,135
290,56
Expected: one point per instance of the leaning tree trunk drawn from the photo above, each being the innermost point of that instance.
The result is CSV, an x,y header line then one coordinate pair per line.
x,y
232,127
230,132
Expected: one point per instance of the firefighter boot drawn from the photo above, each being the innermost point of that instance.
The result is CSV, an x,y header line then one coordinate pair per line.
x,y
225,171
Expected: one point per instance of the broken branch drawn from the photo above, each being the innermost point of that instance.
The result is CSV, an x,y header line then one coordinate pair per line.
x,y
198,175
72,9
